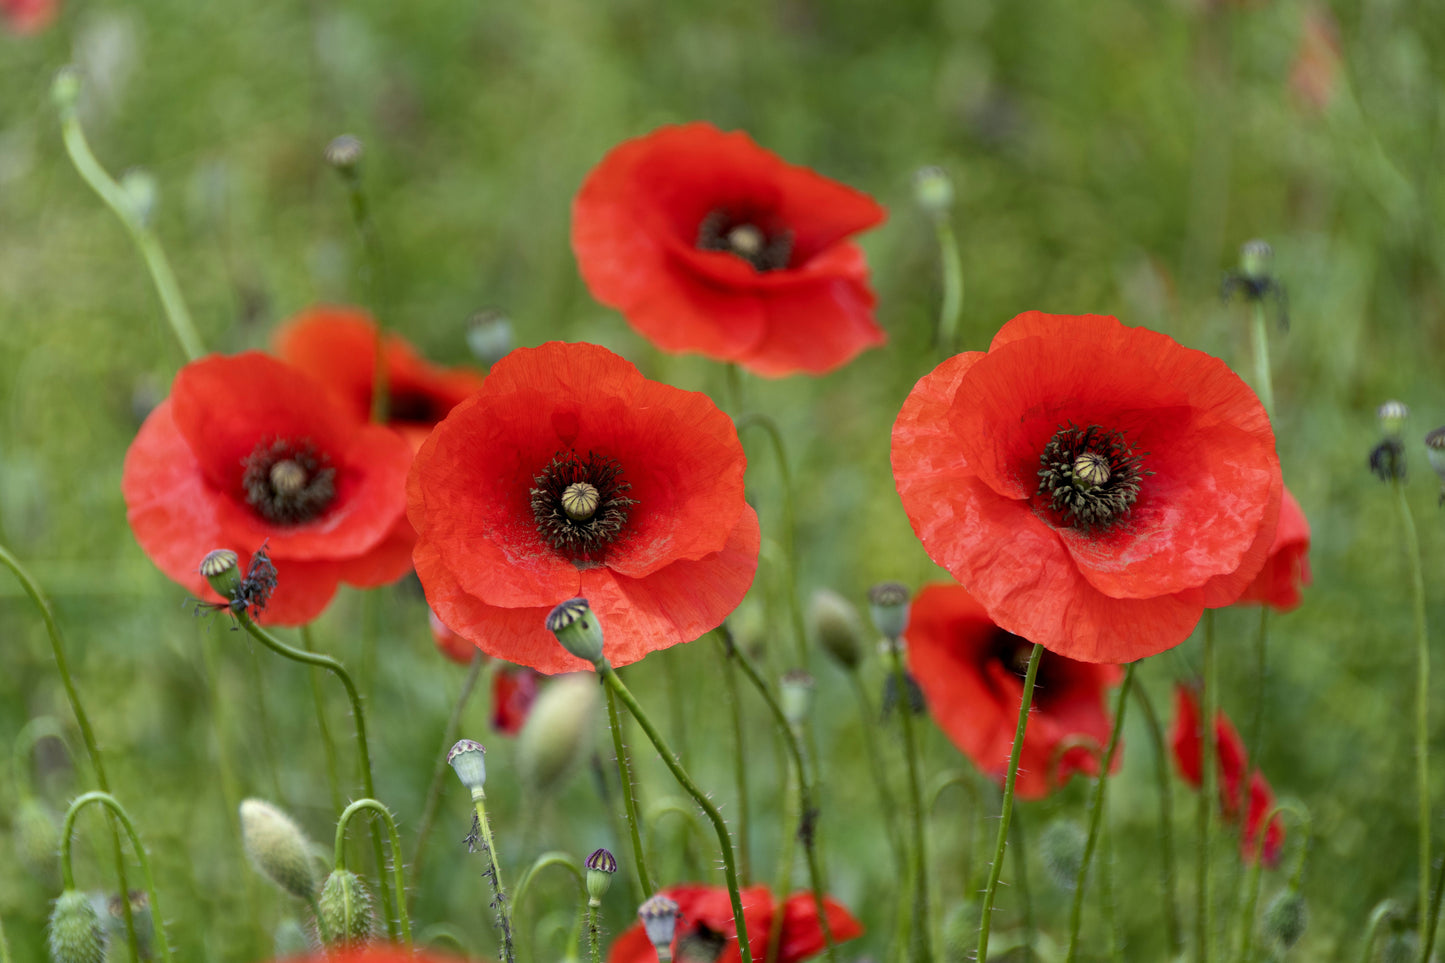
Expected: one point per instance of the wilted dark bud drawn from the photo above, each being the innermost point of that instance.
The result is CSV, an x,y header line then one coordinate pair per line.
x,y
1392,415
1255,259
600,867
344,152
933,190
468,759
37,841
222,568
76,934
577,629
888,604
278,848
1285,918
797,696
557,731
837,627
1387,460
913,695
346,909
489,336
659,920
1061,847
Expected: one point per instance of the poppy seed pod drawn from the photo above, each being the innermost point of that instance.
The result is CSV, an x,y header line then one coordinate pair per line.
x,y
75,933
1255,258
600,867
468,758
1393,415
577,628
556,731
837,627
489,336
659,921
346,909
222,569
278,848
888,604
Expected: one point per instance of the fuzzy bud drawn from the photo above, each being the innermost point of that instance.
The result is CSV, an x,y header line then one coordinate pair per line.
x,y
278,848
797,696
76,934
577,629
1285,918
222,568
888,604
1061,847
346,909
557,731
837,627
600,867
344,152
37,841
468,758
1392,415
659,920
1255,259
933,190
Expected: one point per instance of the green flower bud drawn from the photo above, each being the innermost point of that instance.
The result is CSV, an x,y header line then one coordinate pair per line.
x,y
278,848
933,190
659,920
1255,258
468,759
797,696
290,939
577,629
556,732
76,934
600,867
888,604
222,568
37,841
1285,918
837,627
1061,847
346,909
1392,415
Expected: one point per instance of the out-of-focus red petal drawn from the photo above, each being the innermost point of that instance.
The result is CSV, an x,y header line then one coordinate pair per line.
x,y
514,689
1261,801
1287,569
449,643
1185,737
1233,761
803,932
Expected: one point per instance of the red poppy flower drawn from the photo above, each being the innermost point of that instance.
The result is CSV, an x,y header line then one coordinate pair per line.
x,y
971,672
514,689
1095,486
706,929
28,16
1261,801
569,474
337,346
706,242
1287,569
248,451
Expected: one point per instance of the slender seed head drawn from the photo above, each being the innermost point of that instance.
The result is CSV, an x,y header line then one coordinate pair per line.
x,y
468,759
600,867
346,909
1091,470
278,848
888,604
837,627
222,569
577,628
659,920
1255,260
933,190
580,505
76,934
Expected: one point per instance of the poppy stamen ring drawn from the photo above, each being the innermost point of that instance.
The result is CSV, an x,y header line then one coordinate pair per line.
x,y
288,482
1090,476
580,505
764,250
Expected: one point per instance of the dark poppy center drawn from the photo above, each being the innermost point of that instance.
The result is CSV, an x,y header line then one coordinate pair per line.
x,y
1090,476
580,504
413,407
764,249
701,944
1012,652
288,482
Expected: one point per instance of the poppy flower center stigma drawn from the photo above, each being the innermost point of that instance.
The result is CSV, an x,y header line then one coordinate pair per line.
x,y
1090,476
288,482
580,505
721,231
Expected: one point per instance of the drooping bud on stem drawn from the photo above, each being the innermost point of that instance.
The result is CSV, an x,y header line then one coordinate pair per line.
x,y
659,920
346,914
600,867
76,934
837,627
579,631
468,759
278,848
1285,918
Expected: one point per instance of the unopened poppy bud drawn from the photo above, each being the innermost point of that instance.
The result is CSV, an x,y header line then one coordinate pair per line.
x,y
600,867
139,187
37,839
278,848
290,939
140,917
797,696
65,88
837,627
489,336
577,628
1061,847
557,731
1255,259
1392,415
346,909
888,604
468,759
659,920
344,152
76,934
222,568
1285,918
933,190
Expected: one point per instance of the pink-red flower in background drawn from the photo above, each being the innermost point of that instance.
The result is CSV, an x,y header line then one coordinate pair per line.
x,y
28,16
1094,486
248,450
971,673
708,243
1287,570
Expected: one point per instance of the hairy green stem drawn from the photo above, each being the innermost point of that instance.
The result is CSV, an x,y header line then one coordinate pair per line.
x,y
328,745
434,790
389,820
951,308
740,765
921,933
629,796
494,874
1168,880
1264,384
1422,702
594,933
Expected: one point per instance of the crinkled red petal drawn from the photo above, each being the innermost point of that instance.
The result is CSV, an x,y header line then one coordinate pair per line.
x,y
1287,569
803,932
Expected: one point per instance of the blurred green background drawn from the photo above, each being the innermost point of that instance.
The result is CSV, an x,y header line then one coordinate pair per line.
x,y
1108,157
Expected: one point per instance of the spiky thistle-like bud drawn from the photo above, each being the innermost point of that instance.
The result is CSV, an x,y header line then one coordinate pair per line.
x,y
837,627
1061,847
346,909
577,628
278,848
557,731
659,920
468,759
888,604
600,867
76,934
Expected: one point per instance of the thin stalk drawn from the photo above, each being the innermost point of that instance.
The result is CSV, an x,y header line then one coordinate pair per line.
x,y
629,797
87,734
1204,902
390,821
790,546
1264,384
1168,881
553,857
1106,896
494,874
676,712
951,309
434,791
372,277
1428,943
867,720
1096,812
65,90
740,766
996,867
610,678
328,745
1021,870
594,933
1256,720
787,855
1385,909
68,835
1422,702
920,935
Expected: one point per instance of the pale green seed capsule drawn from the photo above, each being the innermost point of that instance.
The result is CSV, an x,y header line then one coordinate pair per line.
x,y
577,628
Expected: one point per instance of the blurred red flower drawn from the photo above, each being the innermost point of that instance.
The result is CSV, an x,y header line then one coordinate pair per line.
x,y
1287,569
337,346
249,450
569,474
1232,763
514,689
706,242
971,672
28,16
1094,486
706,930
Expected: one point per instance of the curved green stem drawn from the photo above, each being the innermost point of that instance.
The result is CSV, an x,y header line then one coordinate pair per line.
x,y
87,734
1096,811
322,930
1264,384
1422,702
996,867
1385,909
921,934
65,90
951,308
5,947
494,874
615,684
629,796
434,791
396,861
1168,885
555,857
328,745
68,874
